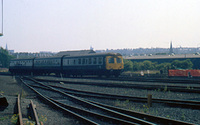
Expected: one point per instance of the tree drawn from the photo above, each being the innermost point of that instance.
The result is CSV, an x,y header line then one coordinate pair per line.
x,y
148,65
185,64
5,57
163,66
128,65
136,66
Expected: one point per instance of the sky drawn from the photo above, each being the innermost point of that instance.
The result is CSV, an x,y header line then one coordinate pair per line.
x,y
61,25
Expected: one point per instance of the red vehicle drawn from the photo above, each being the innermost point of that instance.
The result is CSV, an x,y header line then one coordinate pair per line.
x,y
184,73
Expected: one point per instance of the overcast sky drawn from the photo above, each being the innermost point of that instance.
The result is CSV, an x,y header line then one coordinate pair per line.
x,y
58,25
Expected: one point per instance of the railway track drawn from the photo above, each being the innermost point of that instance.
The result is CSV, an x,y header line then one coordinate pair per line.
x,y
155,79
146,79
34,117
86,116
172,88
175,103
121,115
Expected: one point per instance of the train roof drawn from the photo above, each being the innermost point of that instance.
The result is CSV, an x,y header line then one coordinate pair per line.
x,y
52,57
66,56
75,53
22,59
96,54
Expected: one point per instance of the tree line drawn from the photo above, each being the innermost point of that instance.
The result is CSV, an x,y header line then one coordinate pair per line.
x,y
4,58
148,65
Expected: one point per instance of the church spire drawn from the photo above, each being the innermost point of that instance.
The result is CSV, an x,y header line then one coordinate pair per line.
x,y
171,49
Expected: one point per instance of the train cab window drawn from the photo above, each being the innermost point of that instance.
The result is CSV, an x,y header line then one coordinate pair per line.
x,y
100,60
119,60
111,60
94,60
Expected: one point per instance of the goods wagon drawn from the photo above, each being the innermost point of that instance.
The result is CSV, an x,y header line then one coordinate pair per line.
x,y
184,73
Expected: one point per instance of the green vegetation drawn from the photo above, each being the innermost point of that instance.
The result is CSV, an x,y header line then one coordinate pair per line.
x,y
4,118
1,92
163,67
185,64
4,58
128,65
14,118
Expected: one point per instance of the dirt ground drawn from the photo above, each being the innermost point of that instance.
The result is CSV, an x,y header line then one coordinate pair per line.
x,y
10,88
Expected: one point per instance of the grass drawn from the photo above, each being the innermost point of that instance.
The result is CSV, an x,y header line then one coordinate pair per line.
x,y
42,118
14,118
145,72
4,118
122,103
165,88
1,92
26,121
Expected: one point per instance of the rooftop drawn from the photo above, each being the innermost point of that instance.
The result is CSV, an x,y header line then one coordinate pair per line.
x,y
173,56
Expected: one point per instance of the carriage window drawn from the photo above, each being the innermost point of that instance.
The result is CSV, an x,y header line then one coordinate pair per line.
x,y
94,60
68,61
119,60
100,61
90,61
111,60
79,61
74,61
83,61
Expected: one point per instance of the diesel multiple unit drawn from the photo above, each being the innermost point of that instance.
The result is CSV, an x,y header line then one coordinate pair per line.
x,y
91,64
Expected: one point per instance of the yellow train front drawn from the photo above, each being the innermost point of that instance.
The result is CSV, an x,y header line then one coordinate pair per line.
x,y
114,64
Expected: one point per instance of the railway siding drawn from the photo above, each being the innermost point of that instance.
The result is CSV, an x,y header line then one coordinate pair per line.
x,y
156,109
10,88
186,123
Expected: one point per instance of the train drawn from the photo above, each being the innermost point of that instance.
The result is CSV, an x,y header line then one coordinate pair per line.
x,y
101,64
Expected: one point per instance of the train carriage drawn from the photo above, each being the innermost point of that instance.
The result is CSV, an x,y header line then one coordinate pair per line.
x,y
93,64
46,66
21,66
